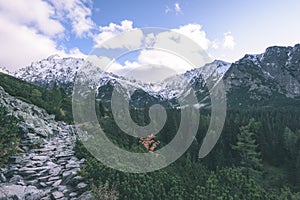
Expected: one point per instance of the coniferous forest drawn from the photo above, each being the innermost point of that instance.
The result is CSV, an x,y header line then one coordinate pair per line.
x,y
257,157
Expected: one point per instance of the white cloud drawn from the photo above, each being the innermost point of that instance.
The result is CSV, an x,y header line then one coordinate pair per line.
x,y
21,45
163,58
195,32
173,51
182,46
178,48
28,30
148,73
35,13
228,41
123,41
150,66
79,14
135,36
177,8
47,16
107,32
75,52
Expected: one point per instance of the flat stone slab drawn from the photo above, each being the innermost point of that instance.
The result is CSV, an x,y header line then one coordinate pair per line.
x,y
56,183
40,158
57,195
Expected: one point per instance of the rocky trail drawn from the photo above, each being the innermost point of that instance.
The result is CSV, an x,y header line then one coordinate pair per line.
x,y
46,168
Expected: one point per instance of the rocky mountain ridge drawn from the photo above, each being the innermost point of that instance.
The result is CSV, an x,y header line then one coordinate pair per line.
x,y
265,77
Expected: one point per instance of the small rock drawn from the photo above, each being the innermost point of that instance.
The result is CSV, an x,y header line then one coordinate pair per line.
x,y
29,172
41,133
43,184
73,194
43,178
56,183
66,174
64,155
62,188
76,180
40,158
2,178
49,182
32,193
53,178
48,197
55,171
32,182
15,179
72,165
21,182
81,185
57,195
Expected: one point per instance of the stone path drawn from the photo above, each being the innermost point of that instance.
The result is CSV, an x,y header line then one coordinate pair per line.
x,y
47,168
48,172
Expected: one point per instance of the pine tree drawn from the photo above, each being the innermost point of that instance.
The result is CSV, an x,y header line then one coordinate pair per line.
x,y
291,152
247,148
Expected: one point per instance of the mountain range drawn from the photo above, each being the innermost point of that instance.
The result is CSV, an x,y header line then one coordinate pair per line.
x,y
268,79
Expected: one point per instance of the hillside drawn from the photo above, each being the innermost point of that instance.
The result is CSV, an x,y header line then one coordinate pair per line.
x,y
53,99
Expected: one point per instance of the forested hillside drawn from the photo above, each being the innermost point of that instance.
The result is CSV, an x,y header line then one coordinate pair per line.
x,y
257,157
54,100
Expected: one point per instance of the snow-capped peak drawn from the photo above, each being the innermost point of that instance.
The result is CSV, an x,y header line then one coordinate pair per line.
x,y
63,71
179,85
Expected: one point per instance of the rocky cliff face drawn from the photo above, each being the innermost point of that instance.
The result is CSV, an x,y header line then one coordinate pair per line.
x,y
265,77
47,167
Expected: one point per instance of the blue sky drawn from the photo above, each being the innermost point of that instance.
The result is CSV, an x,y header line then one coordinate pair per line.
x,y
31,30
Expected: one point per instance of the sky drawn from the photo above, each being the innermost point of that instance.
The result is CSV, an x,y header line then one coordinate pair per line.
x,y
32,30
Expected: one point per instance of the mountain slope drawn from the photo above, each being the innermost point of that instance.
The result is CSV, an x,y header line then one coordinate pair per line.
x,y
268,79
53,100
